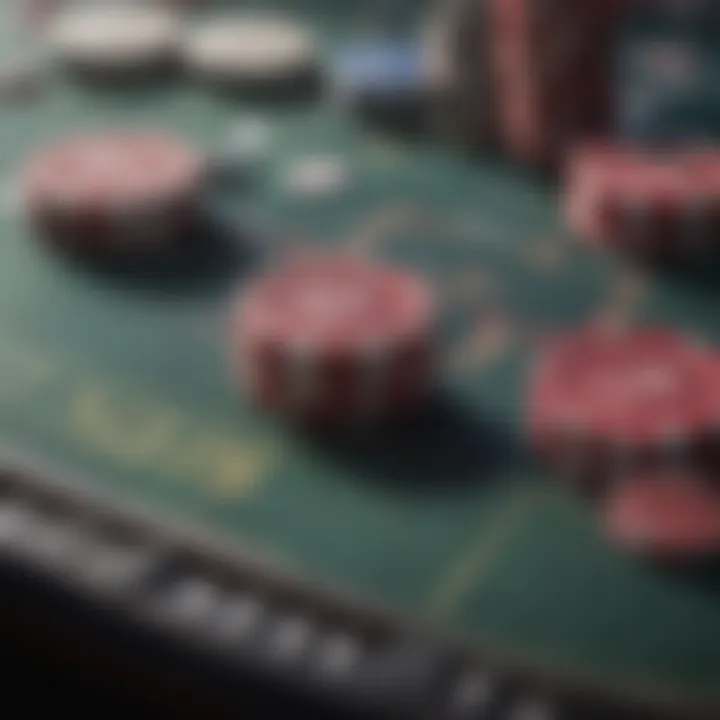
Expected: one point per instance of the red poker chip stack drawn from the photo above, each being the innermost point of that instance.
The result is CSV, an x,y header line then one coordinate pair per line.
x,y
644,203
669,516
115,194
552,69
629,415
335,340
601,401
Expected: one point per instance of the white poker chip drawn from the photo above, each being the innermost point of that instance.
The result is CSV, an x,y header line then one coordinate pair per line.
x,y
318,176
120,37
251,47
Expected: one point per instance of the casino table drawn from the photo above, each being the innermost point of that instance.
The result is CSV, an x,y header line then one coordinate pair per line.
x,y
118,409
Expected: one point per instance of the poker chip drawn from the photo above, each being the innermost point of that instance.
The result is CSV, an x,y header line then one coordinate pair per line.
x,y
666,515
645,203
381,69
253,50
115,39
601,401
320,176
334,340
114,193
552,74
382,79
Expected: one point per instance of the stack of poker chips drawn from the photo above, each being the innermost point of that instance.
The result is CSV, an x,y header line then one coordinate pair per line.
x,y
552,67
334,340
530,77
116,194
114,41
632,417
651,204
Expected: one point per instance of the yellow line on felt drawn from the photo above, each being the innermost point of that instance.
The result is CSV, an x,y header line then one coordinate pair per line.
x,y
474,565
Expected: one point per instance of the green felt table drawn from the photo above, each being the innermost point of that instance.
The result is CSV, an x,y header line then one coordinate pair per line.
x,y
123,380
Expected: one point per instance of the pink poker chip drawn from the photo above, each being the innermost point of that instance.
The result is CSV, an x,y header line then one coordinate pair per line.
x,y
338,303
667,515
98,190
335,337
635,392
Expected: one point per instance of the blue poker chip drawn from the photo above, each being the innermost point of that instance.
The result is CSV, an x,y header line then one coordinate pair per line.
x,y
381,70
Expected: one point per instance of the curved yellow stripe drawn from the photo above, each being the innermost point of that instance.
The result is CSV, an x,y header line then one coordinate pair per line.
x,y
475,564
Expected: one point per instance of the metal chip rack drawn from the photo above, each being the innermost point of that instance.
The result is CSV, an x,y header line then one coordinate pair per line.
x,y
174,603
